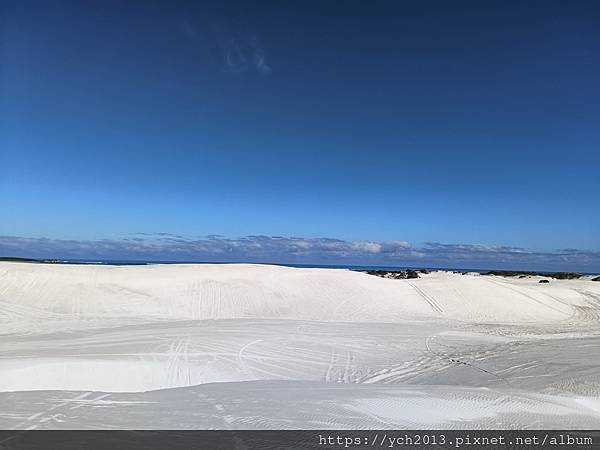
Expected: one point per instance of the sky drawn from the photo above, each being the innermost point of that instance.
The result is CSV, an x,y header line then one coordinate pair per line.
x,y
455,133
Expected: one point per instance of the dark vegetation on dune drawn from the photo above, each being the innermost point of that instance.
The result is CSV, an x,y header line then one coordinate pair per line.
x,y
523,274
406,274
28,260
15,259
395,274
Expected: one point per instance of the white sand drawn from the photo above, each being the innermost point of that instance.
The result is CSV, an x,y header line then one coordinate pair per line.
x,y
254,346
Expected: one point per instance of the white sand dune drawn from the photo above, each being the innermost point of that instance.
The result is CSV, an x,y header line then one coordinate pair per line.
x,y
256,346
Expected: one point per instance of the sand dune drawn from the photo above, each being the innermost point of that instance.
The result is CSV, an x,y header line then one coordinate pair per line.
x,y
297,405
253,346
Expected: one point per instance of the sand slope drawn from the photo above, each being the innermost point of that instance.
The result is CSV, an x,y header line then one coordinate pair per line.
x,y
267,343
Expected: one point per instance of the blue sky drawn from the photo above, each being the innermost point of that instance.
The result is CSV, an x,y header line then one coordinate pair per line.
x,y
467,124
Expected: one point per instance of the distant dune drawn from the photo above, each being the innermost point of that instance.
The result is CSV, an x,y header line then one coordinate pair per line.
x,y
258,346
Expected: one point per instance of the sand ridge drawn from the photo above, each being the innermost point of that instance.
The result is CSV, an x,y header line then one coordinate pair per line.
x,y
391,349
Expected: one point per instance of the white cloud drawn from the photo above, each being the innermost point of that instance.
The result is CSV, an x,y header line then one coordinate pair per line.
x,y
168,247
370,247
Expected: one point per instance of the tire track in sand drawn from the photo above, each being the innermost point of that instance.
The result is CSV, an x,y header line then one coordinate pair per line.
x,y
432,302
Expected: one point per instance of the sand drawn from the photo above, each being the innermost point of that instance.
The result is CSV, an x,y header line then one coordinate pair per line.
x,y
243,346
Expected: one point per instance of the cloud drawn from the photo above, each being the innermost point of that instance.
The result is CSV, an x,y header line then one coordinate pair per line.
x,y
244,55
371,247
279,249
511,257
235,58
258,58
241,51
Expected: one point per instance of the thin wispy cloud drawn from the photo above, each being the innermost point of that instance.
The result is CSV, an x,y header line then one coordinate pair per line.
x,y
279,249
259,59
240,52
245,55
